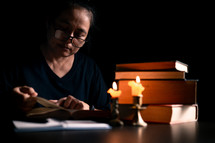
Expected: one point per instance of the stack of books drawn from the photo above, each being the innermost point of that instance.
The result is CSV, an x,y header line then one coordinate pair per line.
x,y
168,96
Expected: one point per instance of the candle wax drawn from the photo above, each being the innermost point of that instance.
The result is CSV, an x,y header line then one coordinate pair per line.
x,y
136,88
114,93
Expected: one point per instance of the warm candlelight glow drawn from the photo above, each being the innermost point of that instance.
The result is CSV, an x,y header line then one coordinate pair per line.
x,y
136,87
114,85
114,92
138,79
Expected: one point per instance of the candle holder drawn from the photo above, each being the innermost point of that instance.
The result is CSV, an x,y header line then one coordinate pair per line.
x,y
137,107
115,121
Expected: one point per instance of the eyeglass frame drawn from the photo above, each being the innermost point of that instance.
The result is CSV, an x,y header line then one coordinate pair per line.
x,y
71,38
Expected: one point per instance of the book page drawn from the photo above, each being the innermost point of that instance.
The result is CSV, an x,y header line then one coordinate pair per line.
x,y
47,103
25,126
52,124
51,110
84,124
41,110
48,107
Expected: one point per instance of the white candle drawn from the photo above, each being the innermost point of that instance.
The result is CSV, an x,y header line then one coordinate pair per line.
x,y
136,87
114,92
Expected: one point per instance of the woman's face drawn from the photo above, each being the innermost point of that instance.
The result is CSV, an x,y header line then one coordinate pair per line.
x,y
71,24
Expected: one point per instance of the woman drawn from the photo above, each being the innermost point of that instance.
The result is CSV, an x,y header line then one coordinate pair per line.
x,y
59,72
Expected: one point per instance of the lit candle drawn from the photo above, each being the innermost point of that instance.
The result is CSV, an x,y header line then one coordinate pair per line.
x,y
114,92
136,87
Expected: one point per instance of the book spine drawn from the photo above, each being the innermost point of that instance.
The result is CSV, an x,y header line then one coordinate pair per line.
x,y
161,92
150,75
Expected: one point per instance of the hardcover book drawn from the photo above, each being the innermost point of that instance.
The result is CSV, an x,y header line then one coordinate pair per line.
x,y
152,66
166,113
150,75
161,92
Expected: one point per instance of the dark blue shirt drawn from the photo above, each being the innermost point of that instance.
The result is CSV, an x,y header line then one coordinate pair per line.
x,y
84,81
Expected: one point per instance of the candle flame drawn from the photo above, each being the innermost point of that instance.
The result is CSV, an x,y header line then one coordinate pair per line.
x,y
114,92
114,85
138,79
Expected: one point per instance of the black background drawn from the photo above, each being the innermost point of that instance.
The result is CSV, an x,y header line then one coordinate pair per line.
x,y
132,31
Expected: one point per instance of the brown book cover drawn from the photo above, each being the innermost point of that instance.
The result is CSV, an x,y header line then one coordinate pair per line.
x,y
167,113
161,92
151,66
149,75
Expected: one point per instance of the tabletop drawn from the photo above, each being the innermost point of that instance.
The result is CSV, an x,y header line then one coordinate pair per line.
x,y
190,132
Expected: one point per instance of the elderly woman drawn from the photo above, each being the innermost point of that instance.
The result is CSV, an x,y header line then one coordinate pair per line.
x,y
59,72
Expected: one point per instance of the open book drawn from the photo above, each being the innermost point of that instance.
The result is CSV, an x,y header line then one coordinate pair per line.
x,y
53,124
51,110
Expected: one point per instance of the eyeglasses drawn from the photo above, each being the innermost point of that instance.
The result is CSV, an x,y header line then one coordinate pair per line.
x,y
76,42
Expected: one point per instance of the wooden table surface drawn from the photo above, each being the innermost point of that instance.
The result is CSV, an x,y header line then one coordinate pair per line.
x,y
192,132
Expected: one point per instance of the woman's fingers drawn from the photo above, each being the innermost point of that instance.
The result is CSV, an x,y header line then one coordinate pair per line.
x,y
25,91
71,102
25,97
28,90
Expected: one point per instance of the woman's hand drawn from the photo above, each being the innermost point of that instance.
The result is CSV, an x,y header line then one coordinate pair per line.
x,y
71,102
24,97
